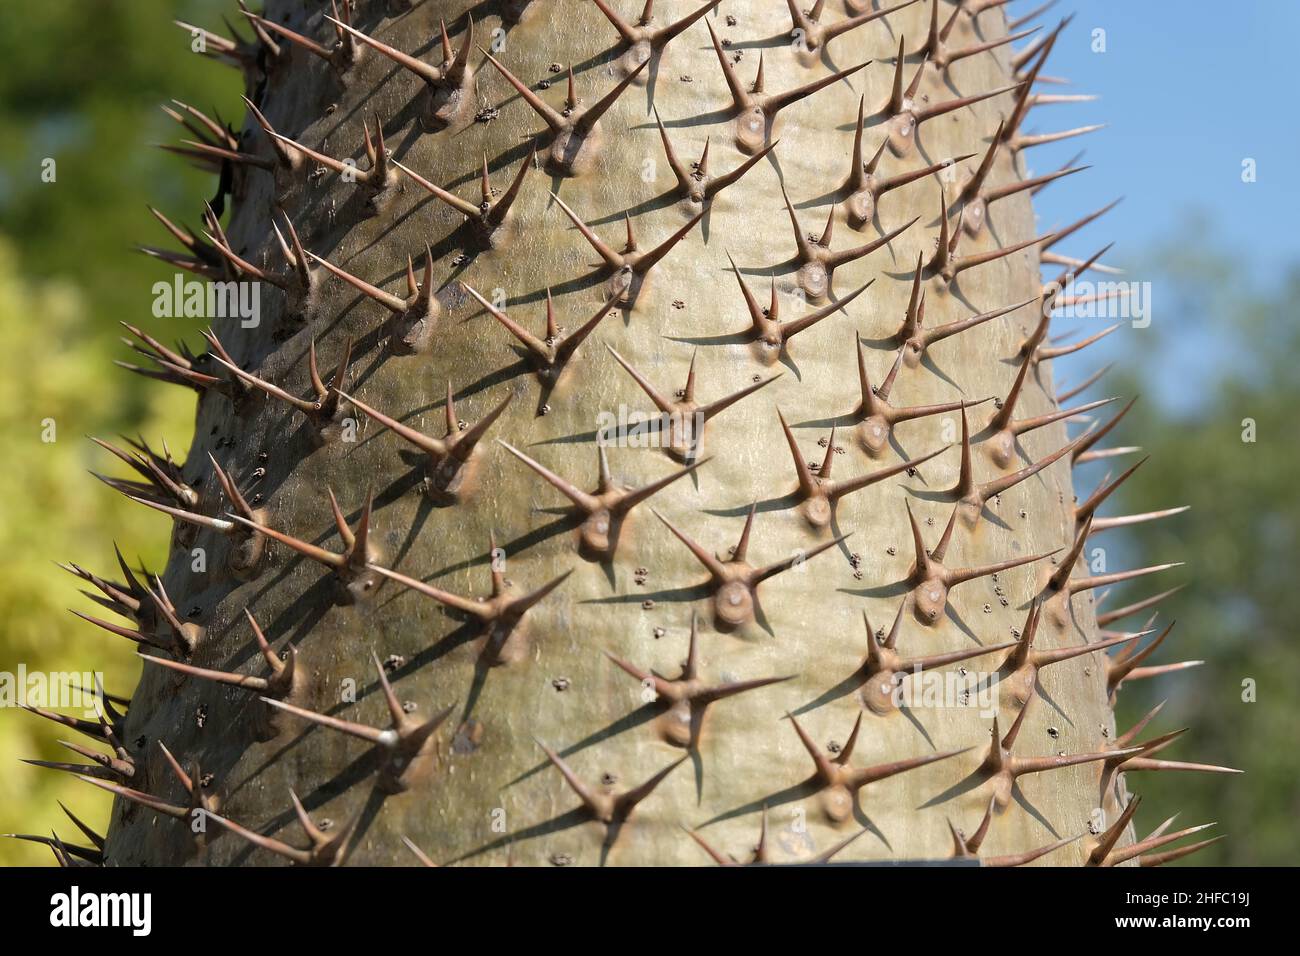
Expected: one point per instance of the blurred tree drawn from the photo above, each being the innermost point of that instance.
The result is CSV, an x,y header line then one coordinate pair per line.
x,y
1240,539
81,86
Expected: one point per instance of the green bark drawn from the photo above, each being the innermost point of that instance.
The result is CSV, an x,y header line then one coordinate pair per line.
x,y
482,790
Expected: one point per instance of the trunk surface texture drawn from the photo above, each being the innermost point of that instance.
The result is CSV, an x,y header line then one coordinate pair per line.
x,y
658,740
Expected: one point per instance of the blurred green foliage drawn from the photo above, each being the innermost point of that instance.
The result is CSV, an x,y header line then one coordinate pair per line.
x,y
1240,540
81,85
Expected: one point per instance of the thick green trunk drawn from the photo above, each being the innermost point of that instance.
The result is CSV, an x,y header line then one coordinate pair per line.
x,y
482,790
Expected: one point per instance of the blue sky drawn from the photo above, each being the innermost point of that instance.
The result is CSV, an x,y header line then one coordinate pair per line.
x,y
1186,100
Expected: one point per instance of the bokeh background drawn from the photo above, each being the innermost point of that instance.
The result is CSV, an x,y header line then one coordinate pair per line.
x,y
1193,93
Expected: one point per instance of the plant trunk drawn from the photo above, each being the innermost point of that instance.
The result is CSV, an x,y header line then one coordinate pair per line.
x,y
482,790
